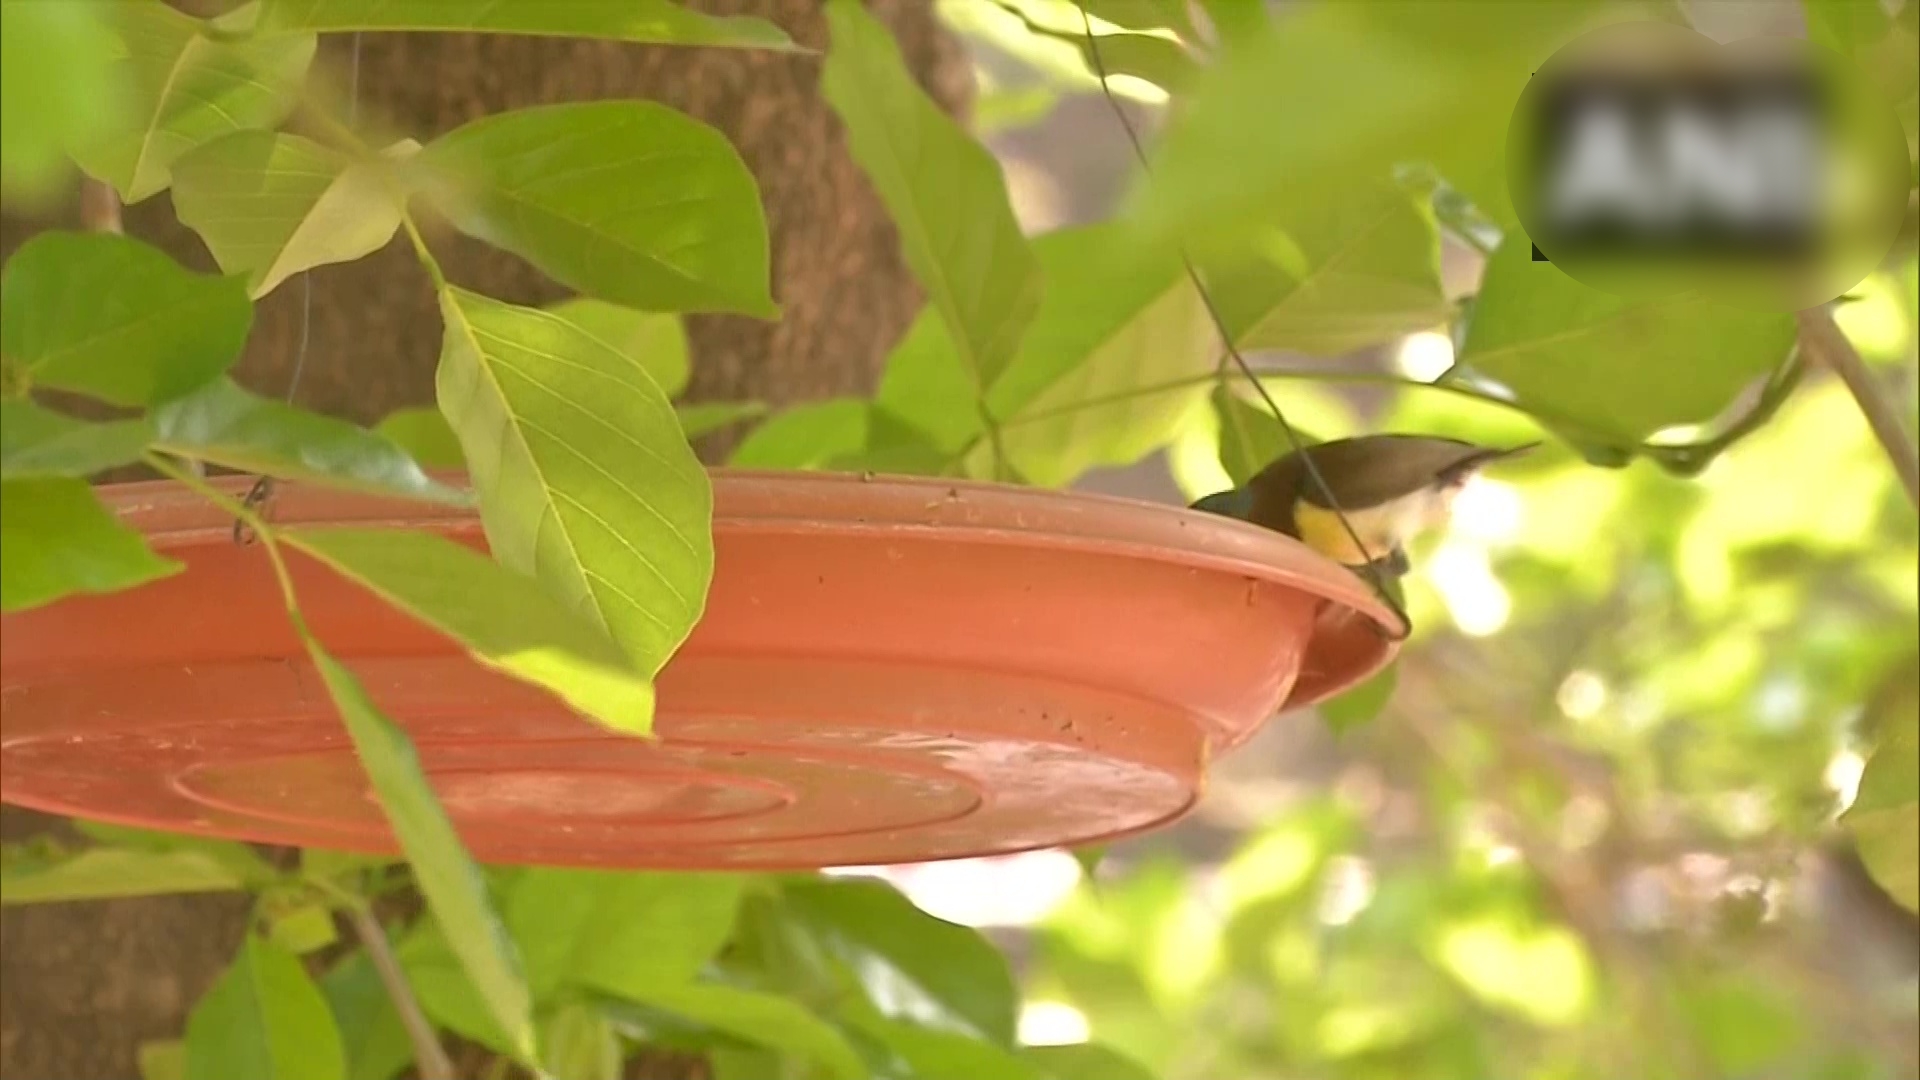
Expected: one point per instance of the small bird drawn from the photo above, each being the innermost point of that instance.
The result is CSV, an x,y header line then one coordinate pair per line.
x,y
1390,488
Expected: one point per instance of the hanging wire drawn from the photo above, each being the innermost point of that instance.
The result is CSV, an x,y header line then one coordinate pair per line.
x,y
1372,566
262,488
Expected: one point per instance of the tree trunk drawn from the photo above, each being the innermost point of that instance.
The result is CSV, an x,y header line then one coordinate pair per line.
x,y
82,984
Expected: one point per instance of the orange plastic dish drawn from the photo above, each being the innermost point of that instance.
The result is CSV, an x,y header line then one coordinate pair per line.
x,y
889,670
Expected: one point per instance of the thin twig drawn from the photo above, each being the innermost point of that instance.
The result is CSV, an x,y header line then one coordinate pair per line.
x,y
429,1057
1827,346
99,207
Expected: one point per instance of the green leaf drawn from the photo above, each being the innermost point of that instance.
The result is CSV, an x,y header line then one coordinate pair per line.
x,y
304,929
162,1060
444,872
913,964
1334,276
447,995
1155,59
264,1019
934,1054
1085,1061
584,478
371,1031
1433,82
619,931
1143,15
1885,815
1115,322
628,201
1060,432
58,84
1250,438
1845,25
806,436
56,540
270,206
226,425
650,21
188,90
105,873
1607,366
1362,703
239,859
504,619
656,340
426,437
705,417
40,442
943,189
106,315
761,1019
579,1043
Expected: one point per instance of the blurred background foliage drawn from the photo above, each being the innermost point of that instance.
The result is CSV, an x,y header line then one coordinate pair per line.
x,y
1637,800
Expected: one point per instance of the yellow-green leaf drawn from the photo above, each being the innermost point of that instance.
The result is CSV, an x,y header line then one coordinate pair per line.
x,y
455,890
188,90
56,540
505,620
627,201
270,206
943,189
585,481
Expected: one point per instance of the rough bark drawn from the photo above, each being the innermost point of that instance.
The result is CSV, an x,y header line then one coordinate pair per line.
x,y
83,984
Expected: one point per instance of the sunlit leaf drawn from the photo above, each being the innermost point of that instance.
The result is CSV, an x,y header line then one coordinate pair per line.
x,y
451,881
579,1044
1885,815
943,190
1608,365
188,89
656,340
270,206
584,478
109,316
1388,83
371,1031
1103,376
58,85
263,1019
627,201
1143,14
913,964
226,425
40,442
239,859
761,1019
1329,277
56,540
619,931
652,21
505,620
